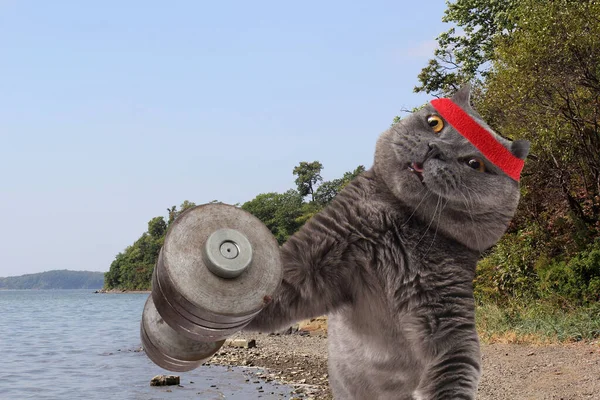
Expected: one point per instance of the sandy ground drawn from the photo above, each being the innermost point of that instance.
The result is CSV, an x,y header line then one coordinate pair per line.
x,y
510,371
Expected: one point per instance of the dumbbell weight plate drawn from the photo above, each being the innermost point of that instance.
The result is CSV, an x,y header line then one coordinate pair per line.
x,y
169,349
186,323
200,303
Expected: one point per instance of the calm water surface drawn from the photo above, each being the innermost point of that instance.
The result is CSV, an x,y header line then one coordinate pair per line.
x,y
74,344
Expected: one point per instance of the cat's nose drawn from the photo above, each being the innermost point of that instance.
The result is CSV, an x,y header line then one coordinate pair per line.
x,y
435,152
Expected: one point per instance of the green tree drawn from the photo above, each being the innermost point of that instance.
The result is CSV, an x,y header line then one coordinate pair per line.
x,y
263,207
545,87
329,189
278,211
157,227
174,213
289,209
283,213
308,177
463,55
132,268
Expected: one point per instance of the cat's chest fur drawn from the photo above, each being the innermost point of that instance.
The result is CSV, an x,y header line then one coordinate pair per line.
x,y
402,274
401,261
410,279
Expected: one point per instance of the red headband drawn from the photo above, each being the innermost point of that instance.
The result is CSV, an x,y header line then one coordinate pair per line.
x,y
479,137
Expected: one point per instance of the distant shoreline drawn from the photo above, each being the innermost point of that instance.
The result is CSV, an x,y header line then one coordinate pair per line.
x,y
57,279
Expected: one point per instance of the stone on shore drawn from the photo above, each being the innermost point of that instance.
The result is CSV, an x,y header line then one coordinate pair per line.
x,y
242,343
164,380
314,326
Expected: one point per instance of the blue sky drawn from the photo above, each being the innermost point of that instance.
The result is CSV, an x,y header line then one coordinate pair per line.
x,y
112,111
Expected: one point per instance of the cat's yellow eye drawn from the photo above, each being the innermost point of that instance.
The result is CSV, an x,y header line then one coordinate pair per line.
x,y
435,122
477,164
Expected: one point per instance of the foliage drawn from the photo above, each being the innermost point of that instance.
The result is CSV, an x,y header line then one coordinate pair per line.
x,y
132,268
157,227
535,65
309,176
283,213
279,212
576,281
57,279
518,270
465,55
508,271
545,87
174,213
329,189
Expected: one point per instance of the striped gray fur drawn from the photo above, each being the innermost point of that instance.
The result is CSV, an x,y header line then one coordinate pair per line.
x,y
391,261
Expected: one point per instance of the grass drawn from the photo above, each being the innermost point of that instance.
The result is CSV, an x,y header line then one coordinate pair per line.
x,y
537,323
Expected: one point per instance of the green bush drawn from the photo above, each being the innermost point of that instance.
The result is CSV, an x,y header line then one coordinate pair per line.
x,y
508,271
576,281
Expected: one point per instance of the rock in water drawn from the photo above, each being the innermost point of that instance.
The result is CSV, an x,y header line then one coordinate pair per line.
x,y
164,380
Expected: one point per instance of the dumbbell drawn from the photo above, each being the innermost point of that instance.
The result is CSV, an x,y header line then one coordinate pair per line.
x,y
219,266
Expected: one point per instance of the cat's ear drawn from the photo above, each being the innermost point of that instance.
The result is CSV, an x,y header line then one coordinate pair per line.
x,y
463,96
520,148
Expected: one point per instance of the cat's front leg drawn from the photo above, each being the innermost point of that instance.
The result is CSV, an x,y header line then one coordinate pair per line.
x,y
317,276
454,360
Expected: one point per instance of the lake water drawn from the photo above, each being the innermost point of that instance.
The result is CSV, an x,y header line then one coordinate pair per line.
x,y
74,344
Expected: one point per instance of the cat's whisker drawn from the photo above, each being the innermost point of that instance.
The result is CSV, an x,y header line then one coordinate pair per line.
x,y
437,204
469,205
436,228
475,194
447,188
427,193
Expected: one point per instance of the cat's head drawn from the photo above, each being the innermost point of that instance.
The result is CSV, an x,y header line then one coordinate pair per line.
x,y
453,170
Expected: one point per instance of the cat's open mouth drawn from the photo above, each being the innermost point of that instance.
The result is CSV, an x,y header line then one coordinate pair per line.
x,y
417,168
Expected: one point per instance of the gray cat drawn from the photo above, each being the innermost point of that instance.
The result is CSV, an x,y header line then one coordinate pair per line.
x,y
391,261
